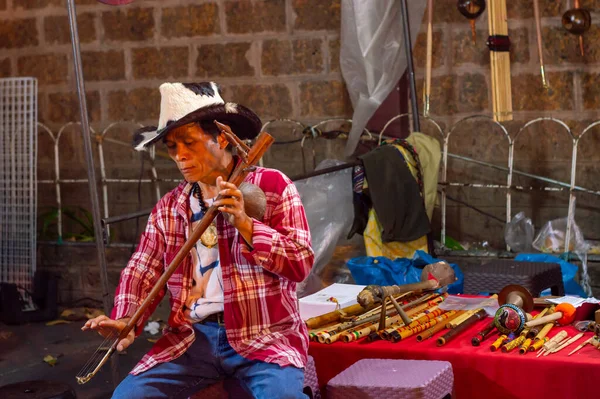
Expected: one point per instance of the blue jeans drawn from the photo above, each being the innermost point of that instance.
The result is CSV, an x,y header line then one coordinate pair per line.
x,y
209,359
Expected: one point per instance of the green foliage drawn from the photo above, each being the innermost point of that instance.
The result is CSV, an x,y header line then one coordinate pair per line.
x,y
81,217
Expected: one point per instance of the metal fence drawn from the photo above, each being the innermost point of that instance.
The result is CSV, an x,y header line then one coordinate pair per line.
x,y
18,191
306,133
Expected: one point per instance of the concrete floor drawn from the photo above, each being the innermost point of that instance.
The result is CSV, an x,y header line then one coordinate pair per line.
x,y
23,347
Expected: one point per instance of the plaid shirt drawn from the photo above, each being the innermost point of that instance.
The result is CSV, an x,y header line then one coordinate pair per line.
x,y
261,312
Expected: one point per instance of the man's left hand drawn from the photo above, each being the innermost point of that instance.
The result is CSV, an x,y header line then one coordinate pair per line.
x,y
232,206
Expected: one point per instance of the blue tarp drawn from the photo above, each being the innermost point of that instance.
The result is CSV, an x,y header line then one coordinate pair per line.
x,y
384,271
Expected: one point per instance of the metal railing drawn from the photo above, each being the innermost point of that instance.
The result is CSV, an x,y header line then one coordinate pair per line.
x,y
316,131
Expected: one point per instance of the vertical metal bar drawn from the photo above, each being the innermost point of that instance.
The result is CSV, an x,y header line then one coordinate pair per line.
x,y
33,181
511,148
410,66
3,186
154,177
571,212
444,180
13,195
103,181
91,171
57,187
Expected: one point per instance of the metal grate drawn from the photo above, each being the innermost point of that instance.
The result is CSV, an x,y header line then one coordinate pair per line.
x,y
18,180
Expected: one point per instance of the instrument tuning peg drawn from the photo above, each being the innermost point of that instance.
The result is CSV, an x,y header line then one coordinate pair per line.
x,y
471,9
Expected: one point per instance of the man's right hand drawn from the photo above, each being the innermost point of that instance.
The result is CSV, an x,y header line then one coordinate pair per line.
x,y
105,326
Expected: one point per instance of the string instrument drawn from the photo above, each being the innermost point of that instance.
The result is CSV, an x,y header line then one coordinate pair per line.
x,y
577,21
471,9
249,158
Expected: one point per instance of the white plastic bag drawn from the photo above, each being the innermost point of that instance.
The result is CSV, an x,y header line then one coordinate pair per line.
x,y
519,233
327,201
552,237
372,54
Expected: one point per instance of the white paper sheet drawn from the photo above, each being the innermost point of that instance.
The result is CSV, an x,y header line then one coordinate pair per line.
x,y
457,302
320,302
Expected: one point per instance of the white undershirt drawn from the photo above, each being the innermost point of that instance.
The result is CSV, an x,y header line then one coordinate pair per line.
x,y
206,295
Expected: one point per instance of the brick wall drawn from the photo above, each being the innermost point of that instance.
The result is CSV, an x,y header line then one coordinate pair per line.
x,y
276,56
280,57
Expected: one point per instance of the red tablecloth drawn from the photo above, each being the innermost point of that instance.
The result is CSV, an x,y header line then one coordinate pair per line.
x,y
478,372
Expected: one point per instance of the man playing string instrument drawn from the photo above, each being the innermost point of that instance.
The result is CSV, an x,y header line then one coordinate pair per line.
x,y
233,299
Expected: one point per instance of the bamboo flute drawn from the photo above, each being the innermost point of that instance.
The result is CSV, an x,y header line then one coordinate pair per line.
x,y
439,326
538,331
483,334
333,327
349,336
422,319
501,340
412,312
369,316
453,333
313,334
525,347
538,344
525,333
398,336
334,316
513,344
372,326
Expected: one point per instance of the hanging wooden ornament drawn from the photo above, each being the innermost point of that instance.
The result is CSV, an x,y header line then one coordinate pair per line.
x,y
471,9
577,21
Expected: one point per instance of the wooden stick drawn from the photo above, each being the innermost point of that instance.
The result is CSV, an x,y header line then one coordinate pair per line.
x,y
569,342
589,341
540,45
429,56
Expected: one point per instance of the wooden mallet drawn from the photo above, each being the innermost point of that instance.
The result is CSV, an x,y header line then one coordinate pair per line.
x,y
563,314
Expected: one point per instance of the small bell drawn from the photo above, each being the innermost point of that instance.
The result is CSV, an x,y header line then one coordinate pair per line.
x,y
471,9
577,21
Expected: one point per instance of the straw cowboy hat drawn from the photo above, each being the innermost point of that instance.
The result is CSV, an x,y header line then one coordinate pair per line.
x,y
183,103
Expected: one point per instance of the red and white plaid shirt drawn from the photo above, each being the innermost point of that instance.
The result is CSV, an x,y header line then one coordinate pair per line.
x,y
261,309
